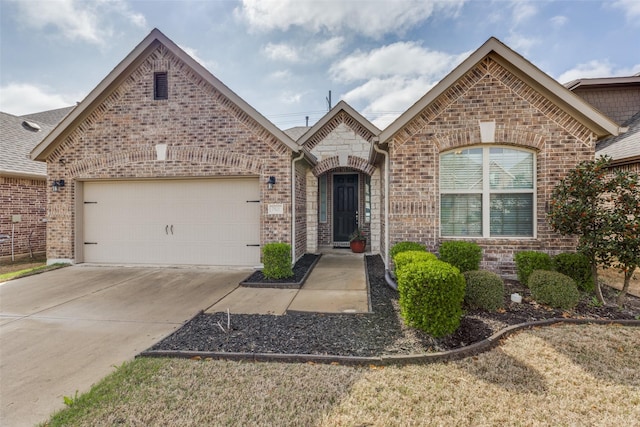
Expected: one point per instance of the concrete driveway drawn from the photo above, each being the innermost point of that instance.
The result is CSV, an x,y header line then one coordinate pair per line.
x,y
64,330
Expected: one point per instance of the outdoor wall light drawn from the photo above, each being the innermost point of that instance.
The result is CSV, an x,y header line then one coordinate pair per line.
x,y
57,185
271,182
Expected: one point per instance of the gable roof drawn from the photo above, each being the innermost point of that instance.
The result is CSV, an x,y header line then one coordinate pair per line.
x,y
50,117
122,70
571,103
17,138
340,106
604,82
623,148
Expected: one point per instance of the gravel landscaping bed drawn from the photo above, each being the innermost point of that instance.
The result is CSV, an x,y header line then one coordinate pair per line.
x,y
381,332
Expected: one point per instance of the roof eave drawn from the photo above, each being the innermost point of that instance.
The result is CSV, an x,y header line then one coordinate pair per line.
x,y
18,174
594,120
118,74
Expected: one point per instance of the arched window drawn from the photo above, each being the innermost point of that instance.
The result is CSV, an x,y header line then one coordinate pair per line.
x,y
487,191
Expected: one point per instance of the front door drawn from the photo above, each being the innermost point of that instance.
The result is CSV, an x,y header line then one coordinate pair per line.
x,y
345,206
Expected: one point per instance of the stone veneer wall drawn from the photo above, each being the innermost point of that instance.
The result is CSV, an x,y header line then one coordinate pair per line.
x,y
523,117
206,136
28,199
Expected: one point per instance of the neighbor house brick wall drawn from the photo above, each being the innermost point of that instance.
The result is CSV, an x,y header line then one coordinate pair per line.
x,y
523,118
206,136
619,104
28,199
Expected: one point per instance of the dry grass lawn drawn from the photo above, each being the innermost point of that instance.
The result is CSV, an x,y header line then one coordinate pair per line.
x,y
564,375
615,279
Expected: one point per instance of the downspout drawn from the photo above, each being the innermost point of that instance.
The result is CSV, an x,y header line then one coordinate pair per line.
x,y
386,202
293,206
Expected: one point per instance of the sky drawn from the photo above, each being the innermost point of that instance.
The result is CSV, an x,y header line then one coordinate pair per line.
x,y
284,56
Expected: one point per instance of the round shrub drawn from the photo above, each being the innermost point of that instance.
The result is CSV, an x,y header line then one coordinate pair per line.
x,y
528,261
276,258
404,258
554,289
485,290
405,247
431,295
466,256
576,266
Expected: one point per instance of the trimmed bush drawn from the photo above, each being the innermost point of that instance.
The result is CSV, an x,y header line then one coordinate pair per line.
x,y
485,290
554,289
528,261
276,258
431,295
404,258
466,256
576,266
405,247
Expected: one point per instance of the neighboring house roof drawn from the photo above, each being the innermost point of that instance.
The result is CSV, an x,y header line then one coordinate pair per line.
x,y
124,68
17,138
601,125
340,106
296,132
603,82
50,117
624,148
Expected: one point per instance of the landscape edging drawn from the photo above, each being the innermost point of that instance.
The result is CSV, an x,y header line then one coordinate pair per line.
x,y
442,356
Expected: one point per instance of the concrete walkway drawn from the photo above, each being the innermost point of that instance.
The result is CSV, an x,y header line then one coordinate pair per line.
x,y
337,284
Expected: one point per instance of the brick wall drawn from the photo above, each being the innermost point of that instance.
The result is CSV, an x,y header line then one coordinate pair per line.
x,y
301,209
523,117
28,199
206,136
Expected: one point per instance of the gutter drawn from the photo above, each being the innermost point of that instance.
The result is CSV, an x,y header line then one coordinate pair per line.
x,y
293,205
377,149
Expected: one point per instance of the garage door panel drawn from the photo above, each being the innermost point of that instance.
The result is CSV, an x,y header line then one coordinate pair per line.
x,y
172,222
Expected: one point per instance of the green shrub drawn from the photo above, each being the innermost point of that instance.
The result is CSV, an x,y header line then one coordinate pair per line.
x,y
554,289
576,266
528,261
485,290
276,258
405,247
466,256
431,295
404,258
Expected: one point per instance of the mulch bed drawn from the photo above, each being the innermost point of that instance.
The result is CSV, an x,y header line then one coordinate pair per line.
x,y
381,332
300,269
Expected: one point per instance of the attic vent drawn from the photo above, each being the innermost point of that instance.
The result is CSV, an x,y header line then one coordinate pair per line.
x,y
160,86
33,127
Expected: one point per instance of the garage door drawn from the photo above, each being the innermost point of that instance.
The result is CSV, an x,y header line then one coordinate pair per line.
x,y
198,222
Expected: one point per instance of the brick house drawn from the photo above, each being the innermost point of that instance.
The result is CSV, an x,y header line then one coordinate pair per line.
x,y
165,164
23,195
619,99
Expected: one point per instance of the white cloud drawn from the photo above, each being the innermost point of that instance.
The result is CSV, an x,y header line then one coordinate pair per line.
x,y
289,97
631,8
78,20
371,18
281,75
521,43
559,21
209,65
397,59
394,77
281,52
26,98
596,68
522,11
330,47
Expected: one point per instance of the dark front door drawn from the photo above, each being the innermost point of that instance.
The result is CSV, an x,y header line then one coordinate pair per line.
x,y
345,206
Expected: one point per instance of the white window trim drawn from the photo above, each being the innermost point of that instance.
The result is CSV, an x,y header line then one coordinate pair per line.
x,y
486,194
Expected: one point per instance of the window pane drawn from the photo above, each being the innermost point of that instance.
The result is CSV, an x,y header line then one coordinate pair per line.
x,y
510,169
461,170
512,215
461,214
367,199
323,198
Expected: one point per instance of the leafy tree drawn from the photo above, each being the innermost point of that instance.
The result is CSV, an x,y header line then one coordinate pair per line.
x,y
599,205
625,227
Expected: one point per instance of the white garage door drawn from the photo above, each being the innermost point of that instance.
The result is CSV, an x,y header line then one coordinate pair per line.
x,y
198,222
